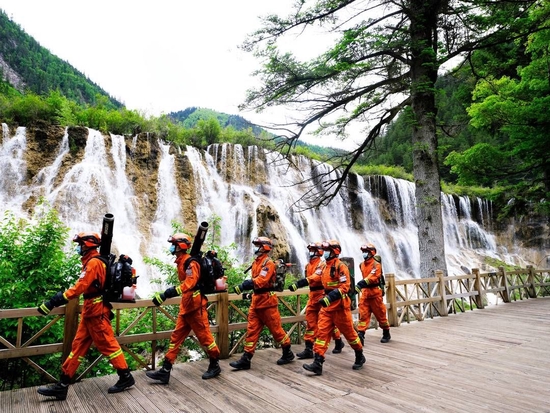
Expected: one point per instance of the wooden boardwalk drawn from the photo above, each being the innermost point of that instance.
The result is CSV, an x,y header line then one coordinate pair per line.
x,y
496,359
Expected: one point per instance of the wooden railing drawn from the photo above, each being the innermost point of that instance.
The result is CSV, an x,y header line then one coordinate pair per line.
x,y
407,300
417,299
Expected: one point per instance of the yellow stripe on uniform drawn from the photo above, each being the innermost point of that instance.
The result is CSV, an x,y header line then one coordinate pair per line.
x,y
115,354
356,341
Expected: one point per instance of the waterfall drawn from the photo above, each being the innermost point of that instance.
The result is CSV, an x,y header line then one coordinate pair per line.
x,y
13,191
249,188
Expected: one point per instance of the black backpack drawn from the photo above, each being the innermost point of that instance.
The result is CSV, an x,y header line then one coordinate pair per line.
x,y
119,274
382,281
211,270
280,275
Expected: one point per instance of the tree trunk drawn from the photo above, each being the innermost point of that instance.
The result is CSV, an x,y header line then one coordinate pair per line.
x,y
425,166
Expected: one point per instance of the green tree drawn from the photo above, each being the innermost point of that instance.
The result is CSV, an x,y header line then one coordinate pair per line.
x,y
517,109
209,130
387,57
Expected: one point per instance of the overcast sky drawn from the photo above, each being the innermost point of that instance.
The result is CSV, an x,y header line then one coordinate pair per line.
x,y
159,56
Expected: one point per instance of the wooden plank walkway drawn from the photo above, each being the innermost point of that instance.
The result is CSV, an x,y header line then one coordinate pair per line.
x,y
496,359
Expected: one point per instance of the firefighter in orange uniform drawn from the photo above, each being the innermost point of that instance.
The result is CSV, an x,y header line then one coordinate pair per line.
x,y
264,310
313,271
336,309
95,323
192,315
371,301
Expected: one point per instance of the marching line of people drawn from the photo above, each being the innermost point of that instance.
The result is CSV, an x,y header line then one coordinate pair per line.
x,y
328,310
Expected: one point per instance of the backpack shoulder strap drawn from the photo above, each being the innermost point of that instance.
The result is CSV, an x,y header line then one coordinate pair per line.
x,y
189,260
96,284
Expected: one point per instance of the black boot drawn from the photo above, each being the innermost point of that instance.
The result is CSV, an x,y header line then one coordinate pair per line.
x,y
338,346
307,353
385,336
287,356
359,360
361,335
214,369
162,374
58,390
317,365
243,363
125,380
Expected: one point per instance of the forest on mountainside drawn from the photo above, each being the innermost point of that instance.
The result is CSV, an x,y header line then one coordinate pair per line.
x,y
34,69
491,131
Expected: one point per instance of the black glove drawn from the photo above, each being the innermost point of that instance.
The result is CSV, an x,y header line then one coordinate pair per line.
x,y
330,297
246,285
47,306
247,296
159,298
302,282
360,285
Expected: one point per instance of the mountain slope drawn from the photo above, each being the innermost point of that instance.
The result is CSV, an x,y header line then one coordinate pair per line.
x,y
28,66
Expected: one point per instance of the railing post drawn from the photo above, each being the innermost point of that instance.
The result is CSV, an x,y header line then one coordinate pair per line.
x,y
391,300
506,292
477,286
443,311
70,327
531,291
222,320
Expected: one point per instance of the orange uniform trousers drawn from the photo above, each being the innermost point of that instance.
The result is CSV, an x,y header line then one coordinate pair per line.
x,y
312,317
197,321
372,304
341,318
257,319
96,330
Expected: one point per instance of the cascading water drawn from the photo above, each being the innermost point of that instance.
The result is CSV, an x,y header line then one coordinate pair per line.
x,y
250,189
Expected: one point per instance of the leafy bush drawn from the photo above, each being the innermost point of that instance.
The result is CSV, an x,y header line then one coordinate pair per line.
x,y
35,264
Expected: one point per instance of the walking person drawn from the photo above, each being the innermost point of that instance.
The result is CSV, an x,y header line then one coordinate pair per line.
x,y
95,322
335,309
371,300
264,309
313,270
192,315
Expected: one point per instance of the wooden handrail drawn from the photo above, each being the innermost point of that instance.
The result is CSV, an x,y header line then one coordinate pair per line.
x,y
407,300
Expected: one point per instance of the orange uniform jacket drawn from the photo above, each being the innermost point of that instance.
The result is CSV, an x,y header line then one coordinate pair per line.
x,y
336,276
92,270
371,270
263,277
191,298
314,269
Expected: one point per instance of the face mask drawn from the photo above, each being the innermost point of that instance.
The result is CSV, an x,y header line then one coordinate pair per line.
x,y
78,250
173,249
311,254
326,255
365,255
258,251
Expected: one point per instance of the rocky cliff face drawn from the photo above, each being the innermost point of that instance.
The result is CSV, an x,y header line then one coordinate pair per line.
x,y
142,166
